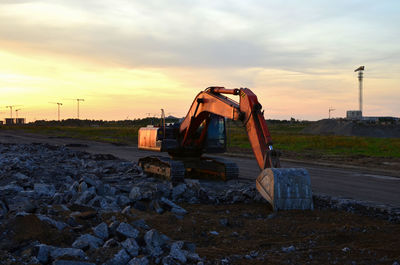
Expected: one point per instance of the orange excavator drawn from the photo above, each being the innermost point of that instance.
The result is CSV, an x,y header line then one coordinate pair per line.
x,y
203,131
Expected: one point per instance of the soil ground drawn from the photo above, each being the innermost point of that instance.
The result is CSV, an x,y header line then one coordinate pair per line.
x,y
319,236
247,234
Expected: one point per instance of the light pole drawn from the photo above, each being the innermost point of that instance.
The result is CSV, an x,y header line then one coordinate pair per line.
x,y
77,100
11,107
360,81
330,110
16,112
58,107
77,103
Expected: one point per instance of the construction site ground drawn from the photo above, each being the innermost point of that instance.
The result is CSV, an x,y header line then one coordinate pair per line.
x,y
247,234
374,183
243,233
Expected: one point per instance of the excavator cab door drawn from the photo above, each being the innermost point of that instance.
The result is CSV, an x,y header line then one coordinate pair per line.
x,y
216,135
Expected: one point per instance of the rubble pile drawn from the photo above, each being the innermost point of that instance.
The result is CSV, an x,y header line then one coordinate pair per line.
x,y
65,207
365,208
52,188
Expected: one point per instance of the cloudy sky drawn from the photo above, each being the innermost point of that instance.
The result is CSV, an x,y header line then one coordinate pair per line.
x,y
128,58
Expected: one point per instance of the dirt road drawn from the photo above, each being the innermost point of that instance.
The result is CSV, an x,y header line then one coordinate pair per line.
x,y
356,183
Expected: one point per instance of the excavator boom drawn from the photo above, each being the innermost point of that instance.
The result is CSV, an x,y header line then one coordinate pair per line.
x,y
248,110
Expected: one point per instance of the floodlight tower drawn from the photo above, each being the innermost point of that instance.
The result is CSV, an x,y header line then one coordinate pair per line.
x,y
77,100
360,81
59,104
16,112
11,107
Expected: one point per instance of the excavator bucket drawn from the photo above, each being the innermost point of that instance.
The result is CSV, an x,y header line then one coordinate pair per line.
x,y
286,188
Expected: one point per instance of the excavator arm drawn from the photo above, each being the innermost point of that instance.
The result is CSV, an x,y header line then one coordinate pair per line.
x,y
248,110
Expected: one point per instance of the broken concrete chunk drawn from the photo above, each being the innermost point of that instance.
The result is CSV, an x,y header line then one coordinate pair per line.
x,y
154,242
288,249
131,246
139,261
87,240
58,198
43,252
21,176
86,196
89,181
44,189
11,188
178,210
155,205
178,190
121,258
135,194
169,260
59,225
127,230
68,252
101,231
176,251
144,191
174,207
122,200
140,223
74,187
192,256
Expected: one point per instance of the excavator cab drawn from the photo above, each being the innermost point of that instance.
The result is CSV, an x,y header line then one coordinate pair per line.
x,y
216,135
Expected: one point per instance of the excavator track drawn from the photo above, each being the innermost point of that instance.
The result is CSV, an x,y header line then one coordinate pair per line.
x,y
163,167
199,168
214,168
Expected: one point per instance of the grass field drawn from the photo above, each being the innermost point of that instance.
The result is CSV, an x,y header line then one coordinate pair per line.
x,y
286,137
122,135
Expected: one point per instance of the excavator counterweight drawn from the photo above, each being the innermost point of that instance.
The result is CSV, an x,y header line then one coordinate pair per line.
x,y
203,131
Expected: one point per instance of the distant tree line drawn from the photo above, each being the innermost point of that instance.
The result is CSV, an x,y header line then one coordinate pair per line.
x,y
135,122
103,123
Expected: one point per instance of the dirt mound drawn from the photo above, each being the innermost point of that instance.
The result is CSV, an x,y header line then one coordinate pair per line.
x,y
352,128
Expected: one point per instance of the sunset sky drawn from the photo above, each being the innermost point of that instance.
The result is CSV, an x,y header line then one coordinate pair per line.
x,y
127,58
